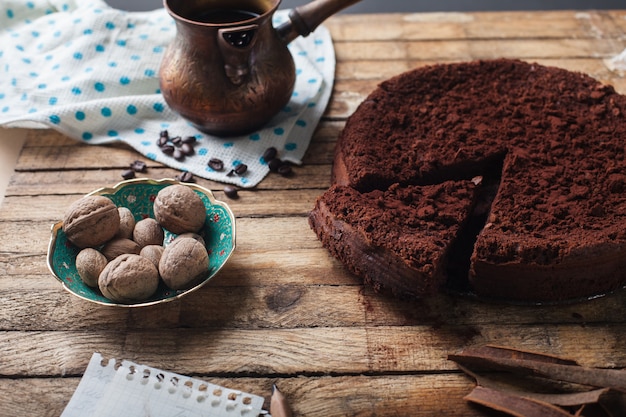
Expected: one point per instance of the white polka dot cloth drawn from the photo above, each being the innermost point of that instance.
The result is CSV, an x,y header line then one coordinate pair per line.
x,y
91,72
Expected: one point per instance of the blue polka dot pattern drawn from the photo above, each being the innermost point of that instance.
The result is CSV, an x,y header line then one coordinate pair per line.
x,y
91,72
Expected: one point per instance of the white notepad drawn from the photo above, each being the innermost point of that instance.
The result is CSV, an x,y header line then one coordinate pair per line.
x,y
139,390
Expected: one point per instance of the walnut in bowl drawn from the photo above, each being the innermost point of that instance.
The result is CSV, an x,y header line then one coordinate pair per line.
x,y
139,195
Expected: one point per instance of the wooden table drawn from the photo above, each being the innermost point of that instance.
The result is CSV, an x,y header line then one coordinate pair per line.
x,y
283,310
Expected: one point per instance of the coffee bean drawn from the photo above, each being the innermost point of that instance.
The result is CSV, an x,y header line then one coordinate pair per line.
x,y
187,149
167,149
178,154
269,154
189,139
128,174
177,141
274,164
164,134
231,192
138,166
216,164
241,169
185,176
162,141
285,169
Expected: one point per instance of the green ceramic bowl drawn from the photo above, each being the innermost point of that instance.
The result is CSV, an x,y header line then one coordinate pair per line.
x,y
138,195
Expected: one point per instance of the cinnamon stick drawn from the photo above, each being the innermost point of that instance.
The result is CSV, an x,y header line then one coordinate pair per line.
x,y
569,399
526,363
513,404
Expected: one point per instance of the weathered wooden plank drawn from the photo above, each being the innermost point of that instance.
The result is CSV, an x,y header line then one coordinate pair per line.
x,y
325,396
469,49
476,26
302,351
276,297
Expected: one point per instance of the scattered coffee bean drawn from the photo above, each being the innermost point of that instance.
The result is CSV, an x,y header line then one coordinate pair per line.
x,y
187,149
216,164
176,146
189,139
167,149
285,169
138,166
241,169
231,191
178,154
128,174
274,164
162,141
269,154
177,140
185,176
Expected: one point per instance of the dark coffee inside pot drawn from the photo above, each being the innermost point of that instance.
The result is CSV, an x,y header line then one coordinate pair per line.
x,y
218,16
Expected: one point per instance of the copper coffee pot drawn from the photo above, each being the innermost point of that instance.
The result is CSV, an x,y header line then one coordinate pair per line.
x,y
228,70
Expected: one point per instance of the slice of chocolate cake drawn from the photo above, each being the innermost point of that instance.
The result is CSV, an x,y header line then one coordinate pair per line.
x,y
398,239
553,141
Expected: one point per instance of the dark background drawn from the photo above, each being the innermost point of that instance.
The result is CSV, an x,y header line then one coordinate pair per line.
x,y
374,6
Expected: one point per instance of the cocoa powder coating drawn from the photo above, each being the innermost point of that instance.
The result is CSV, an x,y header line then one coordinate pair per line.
x,y
553,142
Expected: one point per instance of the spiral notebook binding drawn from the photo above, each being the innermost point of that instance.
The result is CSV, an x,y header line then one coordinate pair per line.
x,y
110,387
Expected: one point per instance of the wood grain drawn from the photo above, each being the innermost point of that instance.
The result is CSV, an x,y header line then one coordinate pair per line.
x,y
282,310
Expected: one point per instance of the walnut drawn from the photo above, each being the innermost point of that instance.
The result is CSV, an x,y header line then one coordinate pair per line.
x,y
184,263
127,223
119,246
153,253
89,264
179,209
148,232
91,221
129,278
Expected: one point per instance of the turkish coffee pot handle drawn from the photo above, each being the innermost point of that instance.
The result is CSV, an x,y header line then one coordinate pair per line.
x,y
306,18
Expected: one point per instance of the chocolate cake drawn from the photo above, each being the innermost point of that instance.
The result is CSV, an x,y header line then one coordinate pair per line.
x,y
403,232
548,141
